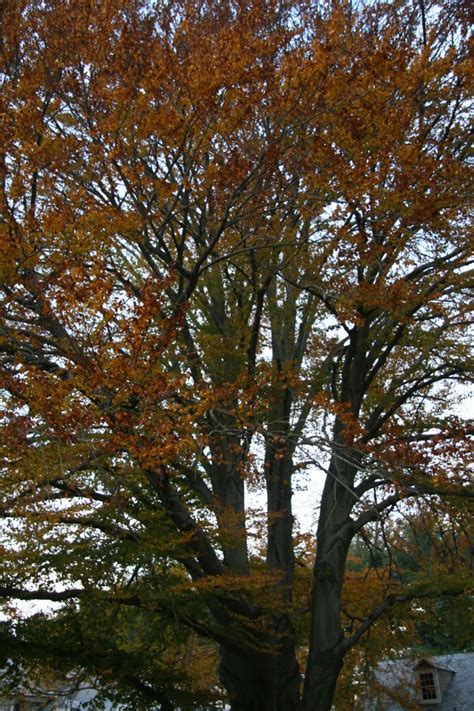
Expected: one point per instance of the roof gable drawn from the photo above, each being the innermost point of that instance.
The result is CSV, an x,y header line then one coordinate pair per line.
x,y
426,662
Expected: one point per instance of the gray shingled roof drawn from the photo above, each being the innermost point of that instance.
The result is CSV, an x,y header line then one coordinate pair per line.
x,y
457,671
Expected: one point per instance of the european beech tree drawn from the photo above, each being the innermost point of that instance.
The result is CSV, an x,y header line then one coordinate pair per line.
x,y
235,257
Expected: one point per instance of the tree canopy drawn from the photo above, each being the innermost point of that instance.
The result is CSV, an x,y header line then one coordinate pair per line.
x,y
235,259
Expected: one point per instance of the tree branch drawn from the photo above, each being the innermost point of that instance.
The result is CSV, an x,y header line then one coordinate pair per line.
x,y
390,602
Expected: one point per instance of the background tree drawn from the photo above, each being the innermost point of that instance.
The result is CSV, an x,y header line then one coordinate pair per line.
x,y
234,245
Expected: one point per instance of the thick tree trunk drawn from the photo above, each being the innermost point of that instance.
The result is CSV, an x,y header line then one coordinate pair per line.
x,y
261,680
323,683
326,636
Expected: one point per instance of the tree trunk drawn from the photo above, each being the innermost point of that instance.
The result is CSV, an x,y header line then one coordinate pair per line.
x,y
323,683
326,636
262,680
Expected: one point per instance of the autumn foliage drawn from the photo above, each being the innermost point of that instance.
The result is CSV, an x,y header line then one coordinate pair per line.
x,y
235,259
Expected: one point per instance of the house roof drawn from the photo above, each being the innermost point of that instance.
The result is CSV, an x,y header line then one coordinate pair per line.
x,y
459,688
